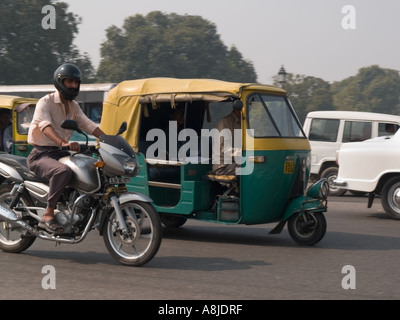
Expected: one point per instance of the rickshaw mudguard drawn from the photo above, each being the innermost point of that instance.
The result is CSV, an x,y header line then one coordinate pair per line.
x,y
299,206
315,201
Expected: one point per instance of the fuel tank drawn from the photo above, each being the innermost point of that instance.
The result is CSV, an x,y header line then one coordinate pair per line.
x,y
86,177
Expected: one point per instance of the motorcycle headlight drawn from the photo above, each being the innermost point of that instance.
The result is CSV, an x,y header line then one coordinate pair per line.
x,y
129,164
130,169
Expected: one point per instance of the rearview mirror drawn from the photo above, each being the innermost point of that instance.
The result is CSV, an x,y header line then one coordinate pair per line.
x,y
123,128
70,125
73,125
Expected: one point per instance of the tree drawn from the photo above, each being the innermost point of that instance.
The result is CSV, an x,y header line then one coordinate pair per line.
x,y
29,53
238,69
308,94
373,89
169,45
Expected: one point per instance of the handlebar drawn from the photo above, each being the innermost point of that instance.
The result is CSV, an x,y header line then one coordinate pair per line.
x,y
83,148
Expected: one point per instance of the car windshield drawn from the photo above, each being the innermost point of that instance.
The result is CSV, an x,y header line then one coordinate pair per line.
x,y
272,116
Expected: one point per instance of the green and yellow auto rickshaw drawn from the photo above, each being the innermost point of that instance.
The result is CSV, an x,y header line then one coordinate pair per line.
x,y
176,166
21,110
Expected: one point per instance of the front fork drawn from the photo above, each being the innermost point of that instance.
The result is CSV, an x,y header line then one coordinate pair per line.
x,y
119,214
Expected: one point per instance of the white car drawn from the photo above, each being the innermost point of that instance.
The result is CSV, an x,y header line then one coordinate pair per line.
x,y
373,166
327,130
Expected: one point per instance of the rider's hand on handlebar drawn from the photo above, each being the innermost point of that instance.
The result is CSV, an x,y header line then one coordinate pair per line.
x,y
73,146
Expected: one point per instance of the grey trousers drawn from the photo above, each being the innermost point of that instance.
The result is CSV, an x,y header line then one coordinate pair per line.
x,y
43,161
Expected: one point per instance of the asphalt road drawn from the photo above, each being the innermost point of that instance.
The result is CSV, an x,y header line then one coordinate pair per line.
x,y
206,261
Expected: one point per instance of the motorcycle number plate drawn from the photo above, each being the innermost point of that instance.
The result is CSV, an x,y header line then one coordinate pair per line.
x,y
119,180
289,167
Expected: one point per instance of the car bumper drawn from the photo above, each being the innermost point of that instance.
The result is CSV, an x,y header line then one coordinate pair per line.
x,y
340,183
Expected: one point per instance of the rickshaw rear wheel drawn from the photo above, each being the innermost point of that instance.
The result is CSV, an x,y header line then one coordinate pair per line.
x,y
307,228
172,221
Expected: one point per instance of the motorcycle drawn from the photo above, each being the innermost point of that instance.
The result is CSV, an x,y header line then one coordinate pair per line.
x,y
96,197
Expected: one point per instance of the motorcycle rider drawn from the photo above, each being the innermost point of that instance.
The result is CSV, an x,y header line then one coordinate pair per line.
x,y
47,136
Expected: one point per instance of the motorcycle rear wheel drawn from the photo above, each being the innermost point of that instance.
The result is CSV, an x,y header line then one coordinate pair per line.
x,y
143,238
12,238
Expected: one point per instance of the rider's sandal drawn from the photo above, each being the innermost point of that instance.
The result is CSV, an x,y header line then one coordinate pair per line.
x,y
51,226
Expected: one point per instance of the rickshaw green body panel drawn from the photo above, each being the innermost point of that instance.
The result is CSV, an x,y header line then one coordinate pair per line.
x,y
191,194
22,149
258,204
268,189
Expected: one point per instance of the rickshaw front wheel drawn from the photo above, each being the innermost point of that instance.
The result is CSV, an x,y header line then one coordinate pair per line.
x,y
307,228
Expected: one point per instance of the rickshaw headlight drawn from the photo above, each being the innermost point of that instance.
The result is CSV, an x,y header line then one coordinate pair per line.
x,y
320,189
324,189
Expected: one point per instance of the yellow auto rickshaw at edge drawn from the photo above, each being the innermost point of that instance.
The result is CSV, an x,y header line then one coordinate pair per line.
x,y
21,111
272,184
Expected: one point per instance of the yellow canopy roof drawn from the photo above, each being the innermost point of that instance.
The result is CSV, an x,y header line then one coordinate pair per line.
x,y
159,86
123,101
9,102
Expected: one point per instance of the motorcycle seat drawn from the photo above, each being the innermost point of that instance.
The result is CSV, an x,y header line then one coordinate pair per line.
x,y
20,164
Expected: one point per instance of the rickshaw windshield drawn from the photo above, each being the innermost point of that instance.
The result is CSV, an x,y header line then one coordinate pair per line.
x,y
272,116
25,113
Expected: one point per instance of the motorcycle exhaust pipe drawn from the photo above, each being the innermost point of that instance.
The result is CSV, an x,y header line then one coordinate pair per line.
x,y
10,217
7,215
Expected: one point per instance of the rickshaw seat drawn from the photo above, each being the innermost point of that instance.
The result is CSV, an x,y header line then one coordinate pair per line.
x,y
231,181
222,178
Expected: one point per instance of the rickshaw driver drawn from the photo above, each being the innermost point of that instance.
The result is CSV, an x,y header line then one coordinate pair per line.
x,y
230,122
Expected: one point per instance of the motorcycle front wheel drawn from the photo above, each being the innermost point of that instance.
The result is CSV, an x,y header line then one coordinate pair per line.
x,y
12,237
142,240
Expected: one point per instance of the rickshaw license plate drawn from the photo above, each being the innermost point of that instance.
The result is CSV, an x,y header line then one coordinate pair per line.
x,y
119,180
289,167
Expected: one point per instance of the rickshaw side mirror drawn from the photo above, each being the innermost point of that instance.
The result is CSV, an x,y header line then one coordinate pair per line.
x,y
238,105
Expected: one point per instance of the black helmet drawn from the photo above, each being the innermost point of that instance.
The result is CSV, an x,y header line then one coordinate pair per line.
x,y
67,71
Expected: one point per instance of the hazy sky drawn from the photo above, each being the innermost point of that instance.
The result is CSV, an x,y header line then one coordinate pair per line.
x,y
306,36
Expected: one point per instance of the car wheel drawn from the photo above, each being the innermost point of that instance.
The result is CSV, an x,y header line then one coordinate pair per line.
x,y
331,174
390,197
